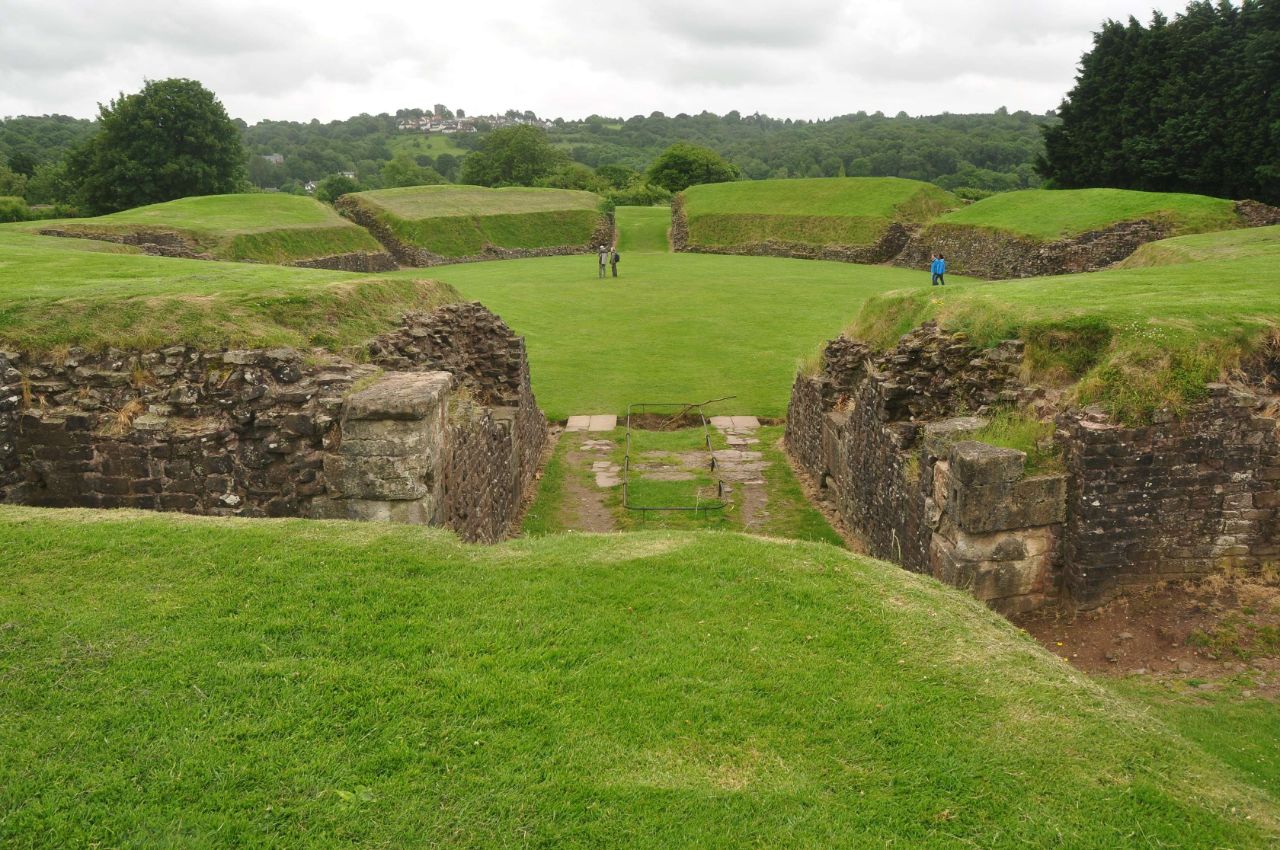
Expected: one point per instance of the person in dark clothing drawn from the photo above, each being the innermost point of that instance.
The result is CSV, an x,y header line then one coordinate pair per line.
x,y
613,262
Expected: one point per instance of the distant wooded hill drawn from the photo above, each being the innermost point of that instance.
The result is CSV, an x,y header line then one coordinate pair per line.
x,y
989,152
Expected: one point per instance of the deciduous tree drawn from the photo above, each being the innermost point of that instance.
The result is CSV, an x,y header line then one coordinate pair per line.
x,y
170,140
683,165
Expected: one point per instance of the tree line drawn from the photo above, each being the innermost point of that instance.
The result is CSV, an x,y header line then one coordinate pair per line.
x,y
1184,105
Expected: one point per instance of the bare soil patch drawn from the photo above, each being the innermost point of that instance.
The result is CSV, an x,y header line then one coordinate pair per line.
x,y
1205,632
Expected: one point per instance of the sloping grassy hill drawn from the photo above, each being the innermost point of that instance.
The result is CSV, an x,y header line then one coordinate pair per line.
x,y
172,681
1049,214
264,228
851,212
452,222
63,292
1135,339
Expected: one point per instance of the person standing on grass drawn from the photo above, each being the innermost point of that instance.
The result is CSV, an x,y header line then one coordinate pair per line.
x,y
604,258
938,268
613,261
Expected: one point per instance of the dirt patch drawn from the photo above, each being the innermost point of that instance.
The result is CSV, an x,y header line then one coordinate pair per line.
x,y
584,506
1206,632
664,421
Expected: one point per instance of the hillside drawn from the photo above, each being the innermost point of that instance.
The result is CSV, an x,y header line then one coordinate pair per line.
x,y
262,228
373,685
856,218
1183,313
56,293
427,225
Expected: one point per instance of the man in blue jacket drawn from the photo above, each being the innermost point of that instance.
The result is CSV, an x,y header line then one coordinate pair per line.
x,y
938,268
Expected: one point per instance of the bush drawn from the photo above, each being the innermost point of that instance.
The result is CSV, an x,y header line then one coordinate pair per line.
x,y
639,194
14,209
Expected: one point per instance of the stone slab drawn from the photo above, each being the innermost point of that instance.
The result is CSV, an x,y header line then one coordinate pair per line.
x,y
593,422
399,395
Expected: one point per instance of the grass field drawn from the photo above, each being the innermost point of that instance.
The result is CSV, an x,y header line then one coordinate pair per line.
x,y
434,145
62,292
173,681
460,221
1137,339
643,229
672,327
1060,213
851,211
266,228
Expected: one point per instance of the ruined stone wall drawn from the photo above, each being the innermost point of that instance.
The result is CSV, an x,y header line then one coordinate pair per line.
x,y
1171,500
1000,256
881,435
889,441
363,262
271,433
412,255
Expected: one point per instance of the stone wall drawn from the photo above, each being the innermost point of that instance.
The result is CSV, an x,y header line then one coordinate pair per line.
x,y
890,244
277,433
411,255
995,255
1172,500
885,439
363,262
889,440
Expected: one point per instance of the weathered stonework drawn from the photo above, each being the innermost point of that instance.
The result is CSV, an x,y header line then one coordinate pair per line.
x,y
1000,256
890,244
271,433
364,262
1172,500
885,438
411,255
882,437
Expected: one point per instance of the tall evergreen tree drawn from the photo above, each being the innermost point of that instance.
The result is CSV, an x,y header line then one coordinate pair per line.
x,y
1188,105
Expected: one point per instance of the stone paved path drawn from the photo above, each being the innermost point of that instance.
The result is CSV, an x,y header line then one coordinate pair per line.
x,y
594,422
741,467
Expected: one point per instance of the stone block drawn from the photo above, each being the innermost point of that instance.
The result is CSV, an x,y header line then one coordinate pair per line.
x,y
1034,502
976,463
403,395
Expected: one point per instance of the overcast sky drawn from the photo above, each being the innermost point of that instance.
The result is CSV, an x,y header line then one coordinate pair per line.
x,y
569,58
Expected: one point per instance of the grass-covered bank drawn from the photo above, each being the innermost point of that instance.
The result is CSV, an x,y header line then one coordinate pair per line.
x,y
214,683
263,228
1049,214
56,293
844,212
461,221
1135,339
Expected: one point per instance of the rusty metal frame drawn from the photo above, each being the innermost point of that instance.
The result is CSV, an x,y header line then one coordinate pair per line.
x,y
680,409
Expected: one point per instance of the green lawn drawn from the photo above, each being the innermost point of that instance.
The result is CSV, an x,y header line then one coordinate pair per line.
x,y
643,229
63,292
1136,339
1056,214
673,327
203,683
848,211
271,228
434,144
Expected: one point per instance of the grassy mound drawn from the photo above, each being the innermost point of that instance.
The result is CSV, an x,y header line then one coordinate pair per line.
x,y
1134,339
263,228
463,221
643,229
843,212
65,292
212,683
1049,215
